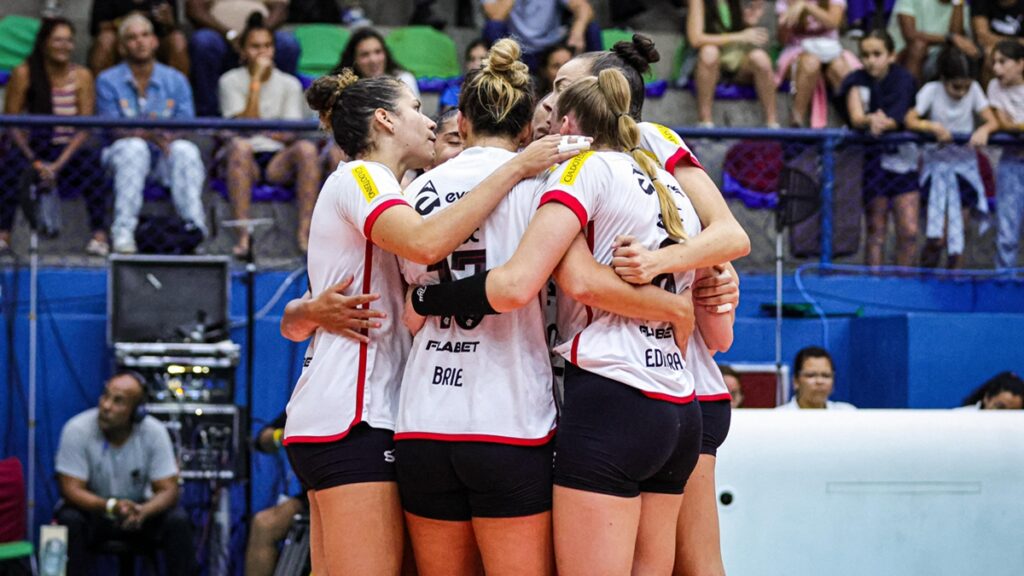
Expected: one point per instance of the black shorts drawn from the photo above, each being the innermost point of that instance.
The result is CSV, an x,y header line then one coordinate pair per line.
x,y
262,160
614,440
463,480
715,417
364,455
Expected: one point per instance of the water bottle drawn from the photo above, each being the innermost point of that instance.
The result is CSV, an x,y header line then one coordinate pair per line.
x,y
54,558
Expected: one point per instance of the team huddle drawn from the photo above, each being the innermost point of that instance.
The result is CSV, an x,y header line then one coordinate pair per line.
x,y
428,406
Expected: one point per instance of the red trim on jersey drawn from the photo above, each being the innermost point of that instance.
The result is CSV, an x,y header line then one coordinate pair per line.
x,y
567,200
319,439
575,348
670,398
714,397
363,350
372,218
681,154
476,438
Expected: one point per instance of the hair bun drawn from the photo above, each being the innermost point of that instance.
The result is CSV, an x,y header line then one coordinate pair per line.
x,y
503,60
325,90
638,54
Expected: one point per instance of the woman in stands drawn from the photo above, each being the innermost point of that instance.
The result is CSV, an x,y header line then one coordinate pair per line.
x,y
50,158
368,56
1004,391
716,290
341,414
814,376
629,429
727,38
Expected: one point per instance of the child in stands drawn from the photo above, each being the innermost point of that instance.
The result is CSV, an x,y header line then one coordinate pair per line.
x,y
877,98
949,173
1006,95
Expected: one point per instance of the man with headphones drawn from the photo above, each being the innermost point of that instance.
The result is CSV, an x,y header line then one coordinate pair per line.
x,y
119,480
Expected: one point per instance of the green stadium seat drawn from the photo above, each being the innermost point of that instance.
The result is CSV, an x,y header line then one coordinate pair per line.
x,y
17,35
322,45
424,51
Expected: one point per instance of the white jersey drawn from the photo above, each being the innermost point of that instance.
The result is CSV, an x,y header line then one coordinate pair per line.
x,y
666,147
707,377
611,195
344,382
477,378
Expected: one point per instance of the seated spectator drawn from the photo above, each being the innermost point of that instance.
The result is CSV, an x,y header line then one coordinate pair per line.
x,y
59,157
950,177
214,46
809,30
994,21
107,15
119,481
813,379
728,39
141,87
921,27
538,26
257,90
877,99
368,57
1004,391
473,58
1006,95
270,526
550,61
732,381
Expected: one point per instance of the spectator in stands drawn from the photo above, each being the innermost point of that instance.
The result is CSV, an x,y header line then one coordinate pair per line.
x,y
921,27
258,90
877,99
368,56
119,480
1004,391
949,174
1006,95
473,58
813,60
142,88
732,381
270,526
550,61
993,21
59,157
538,26
107,14
728,39
813,379
214,45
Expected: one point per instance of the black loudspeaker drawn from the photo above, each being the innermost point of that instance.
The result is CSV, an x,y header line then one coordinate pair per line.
x,y
168,298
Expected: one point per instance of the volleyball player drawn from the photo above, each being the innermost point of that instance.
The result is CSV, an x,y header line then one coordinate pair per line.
x,y
477,417
340,426
629,432
716,291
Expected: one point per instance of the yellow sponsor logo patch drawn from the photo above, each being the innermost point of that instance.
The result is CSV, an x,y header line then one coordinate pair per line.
x,y
365,182
573,169
668,134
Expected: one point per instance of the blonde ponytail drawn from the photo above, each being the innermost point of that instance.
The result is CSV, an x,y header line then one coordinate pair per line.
x,y
615,88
